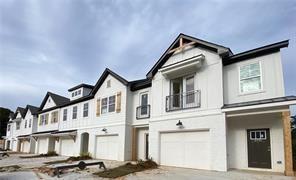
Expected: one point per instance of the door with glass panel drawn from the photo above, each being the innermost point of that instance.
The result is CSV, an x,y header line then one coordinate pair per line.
x,y
189,94
176,93
144,104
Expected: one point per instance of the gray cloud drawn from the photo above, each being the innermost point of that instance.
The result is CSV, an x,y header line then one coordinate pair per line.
x,y
53,45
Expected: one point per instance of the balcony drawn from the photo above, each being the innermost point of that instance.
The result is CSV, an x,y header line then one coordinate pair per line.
x,y
183,101
143,112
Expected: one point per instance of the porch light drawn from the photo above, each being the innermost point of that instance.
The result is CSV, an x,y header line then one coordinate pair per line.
x,y
179,124
104,130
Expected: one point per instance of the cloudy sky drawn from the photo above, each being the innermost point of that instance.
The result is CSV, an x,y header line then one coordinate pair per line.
x,y
52,45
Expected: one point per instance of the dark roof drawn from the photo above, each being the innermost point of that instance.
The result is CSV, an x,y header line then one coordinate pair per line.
x,y
33,109
21,110
67,131
28,135
80,86
255,52
59,100
199,43
44,132
258,102
104,76
140,84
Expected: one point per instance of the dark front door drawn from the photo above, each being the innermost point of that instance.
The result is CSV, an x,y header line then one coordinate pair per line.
x,y
259,148
146,146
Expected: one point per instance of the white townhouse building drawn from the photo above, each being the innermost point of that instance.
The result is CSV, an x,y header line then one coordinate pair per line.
x,y
200,106
20,127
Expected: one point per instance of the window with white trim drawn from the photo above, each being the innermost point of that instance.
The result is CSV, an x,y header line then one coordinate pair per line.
x,y
258,135
104,108
74,114
111,104
65,112
18,124
85,110
26,122
30,123
250,78
8,127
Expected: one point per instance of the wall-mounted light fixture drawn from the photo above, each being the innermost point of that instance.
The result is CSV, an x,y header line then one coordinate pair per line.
x,y
180,124
104,130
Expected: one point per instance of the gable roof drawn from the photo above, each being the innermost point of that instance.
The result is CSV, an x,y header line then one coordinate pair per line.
x,y
21,110
80,86
33,109
59,100
221,50
104,76
260,51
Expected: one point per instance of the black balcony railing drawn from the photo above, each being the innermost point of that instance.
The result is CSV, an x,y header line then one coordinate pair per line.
x,y
143,112
183,101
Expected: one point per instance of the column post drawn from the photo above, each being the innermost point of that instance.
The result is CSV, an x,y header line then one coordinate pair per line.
x,y
287,143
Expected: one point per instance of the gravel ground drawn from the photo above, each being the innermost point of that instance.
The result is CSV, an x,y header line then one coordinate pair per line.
x,y
162,173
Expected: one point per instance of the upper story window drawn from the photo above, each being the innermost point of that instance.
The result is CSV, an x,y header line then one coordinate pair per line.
x,y
143,111
8,127
18,124
111,104
250,78
85,110
65,115
74,113
54,117
108,83
48,100
79,92
43,119
108,104
26,123
30,123
73,94
104,105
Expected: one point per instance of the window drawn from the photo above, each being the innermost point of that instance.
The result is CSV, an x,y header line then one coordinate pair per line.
x,y
250,78
73,94
111,103
30,123
65,115
85,110
43,119
26,123
76,93
18,125
54,117
104,105
79,92
48,100
108,83
74,115
144,103
189,89
8,127
258,135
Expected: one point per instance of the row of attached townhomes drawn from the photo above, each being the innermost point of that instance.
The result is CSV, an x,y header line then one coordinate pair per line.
x,y
200,106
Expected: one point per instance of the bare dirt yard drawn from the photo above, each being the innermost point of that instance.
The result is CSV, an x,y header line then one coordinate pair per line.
x,y
16,168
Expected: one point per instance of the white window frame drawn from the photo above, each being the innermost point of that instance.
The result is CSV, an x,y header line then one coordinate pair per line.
x,y
258,131
26,124
30,123
239,79
65,114
85,110
107,109
18,125
76,112
112,104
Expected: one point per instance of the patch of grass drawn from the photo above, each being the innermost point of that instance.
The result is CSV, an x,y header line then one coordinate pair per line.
x,y
9,168
49,154
126,169
72,158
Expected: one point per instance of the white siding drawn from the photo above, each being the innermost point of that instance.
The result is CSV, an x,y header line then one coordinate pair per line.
x,y
272,79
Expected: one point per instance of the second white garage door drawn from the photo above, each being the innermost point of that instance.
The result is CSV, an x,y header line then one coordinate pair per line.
x,y
185,149
25,146
42,145
107,147
66,147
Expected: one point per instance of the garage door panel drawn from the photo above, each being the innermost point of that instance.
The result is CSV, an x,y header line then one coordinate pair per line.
x,y
185,149
107,147
66,148
42,145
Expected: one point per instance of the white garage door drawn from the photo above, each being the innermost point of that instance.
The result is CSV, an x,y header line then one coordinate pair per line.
x,y
42,145
185,149
67,147
25,146
107,147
